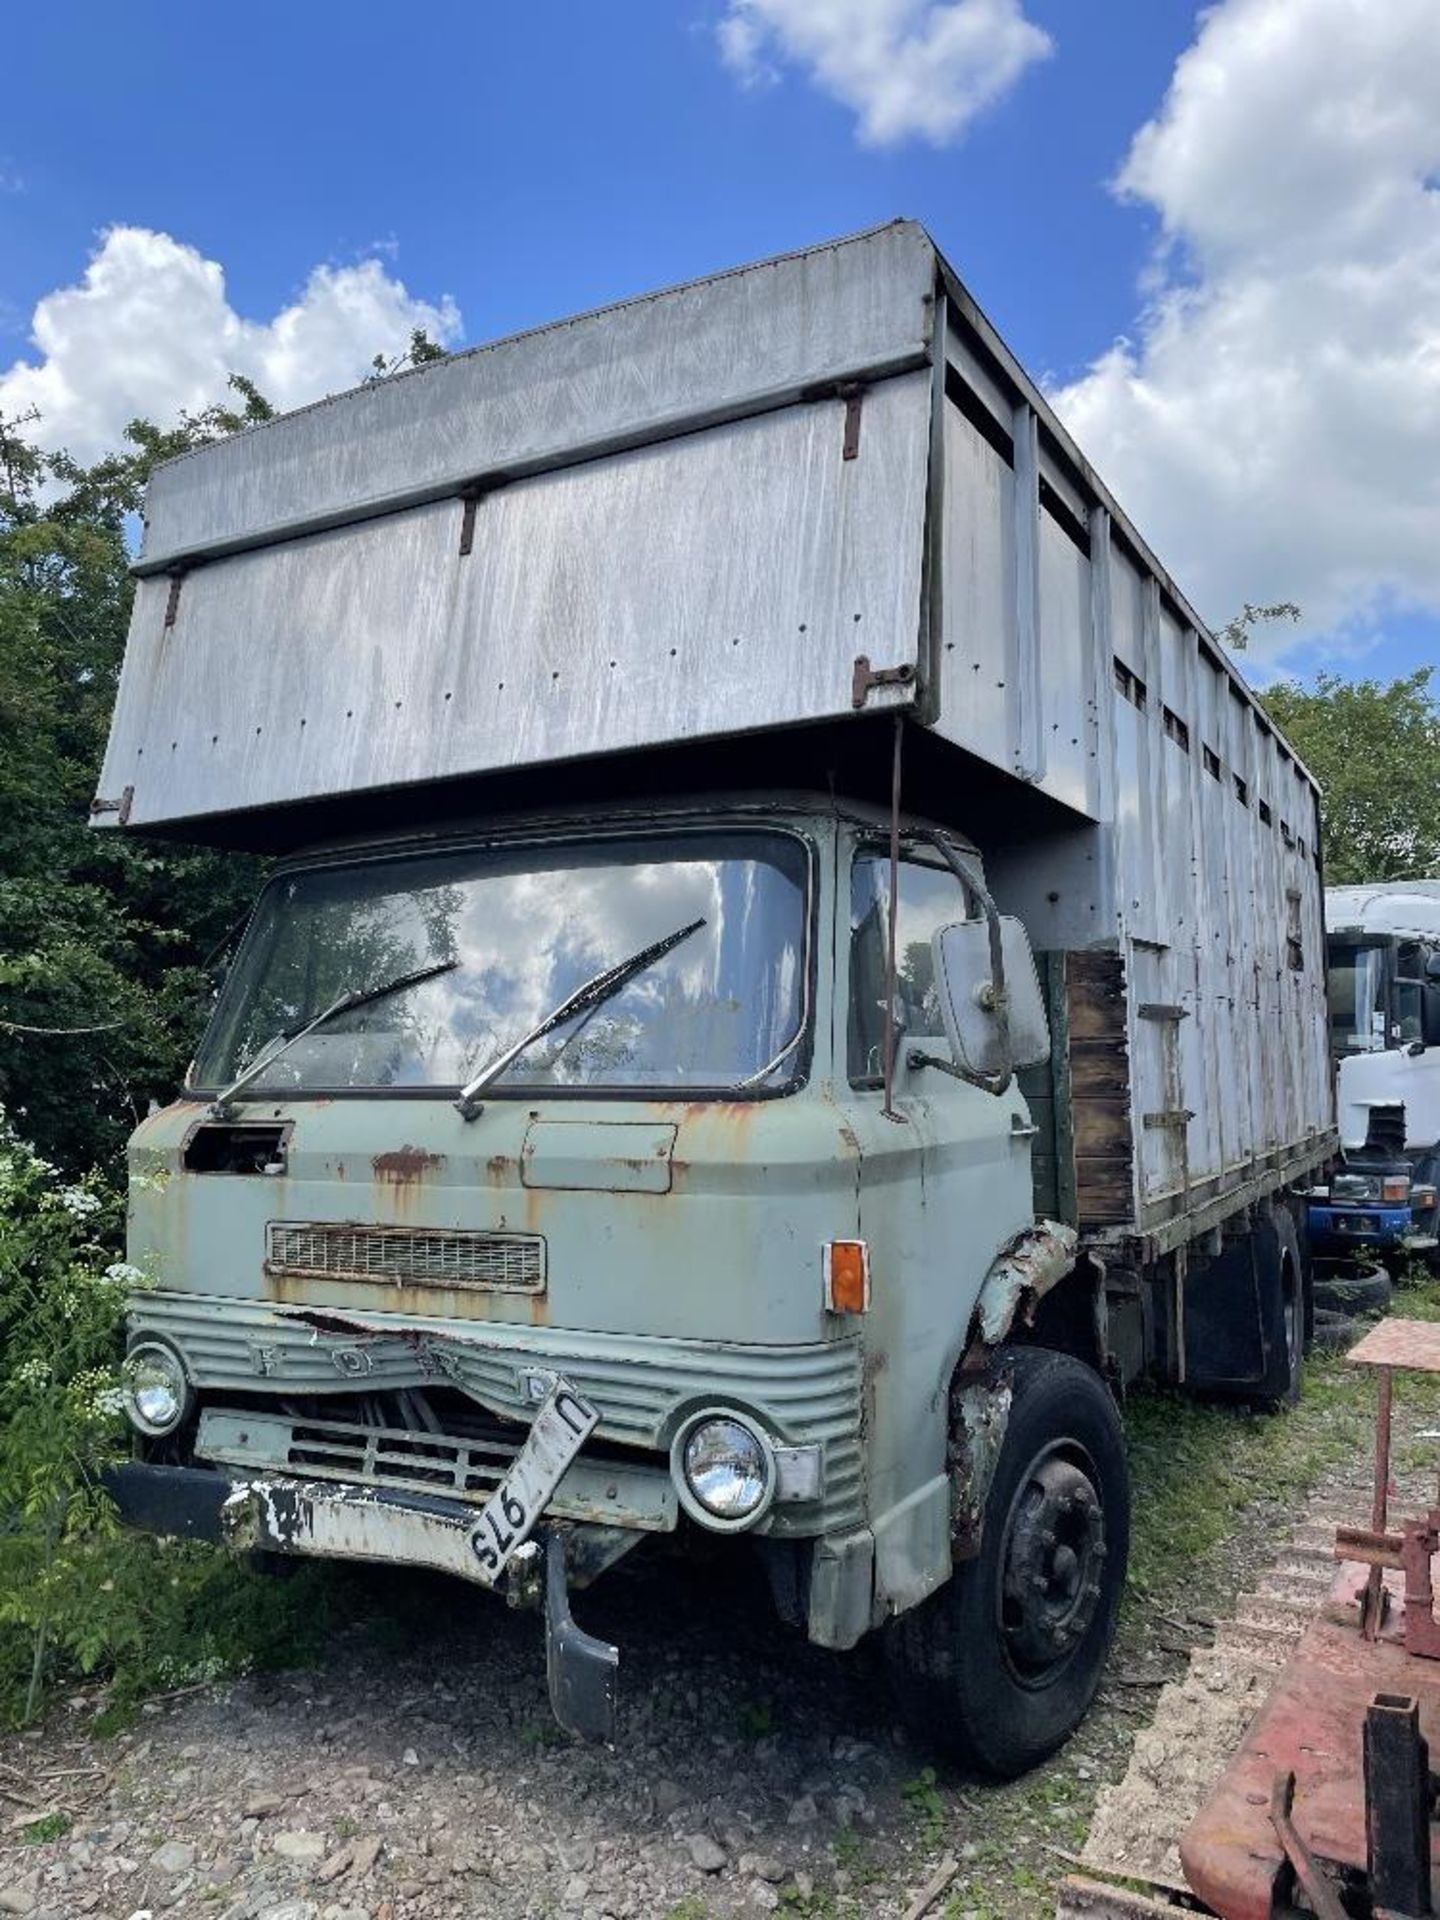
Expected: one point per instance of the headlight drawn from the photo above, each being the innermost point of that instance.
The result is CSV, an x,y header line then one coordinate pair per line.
x,y
724,1470
157,1394
1355,1186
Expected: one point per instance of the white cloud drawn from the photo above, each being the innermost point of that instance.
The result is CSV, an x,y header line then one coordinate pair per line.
x,y
906,67
150,330
1275,426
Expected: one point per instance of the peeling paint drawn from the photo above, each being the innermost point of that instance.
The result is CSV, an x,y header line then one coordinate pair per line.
x,y
1033,1262
979,1417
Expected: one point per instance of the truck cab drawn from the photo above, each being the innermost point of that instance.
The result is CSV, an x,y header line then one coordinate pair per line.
x,y
1383,952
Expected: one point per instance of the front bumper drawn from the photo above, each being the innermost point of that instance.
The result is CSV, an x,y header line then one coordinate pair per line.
x,y
1359,1225
278,1514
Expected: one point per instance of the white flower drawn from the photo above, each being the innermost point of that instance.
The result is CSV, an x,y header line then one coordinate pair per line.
x,y
78,1202
121,1273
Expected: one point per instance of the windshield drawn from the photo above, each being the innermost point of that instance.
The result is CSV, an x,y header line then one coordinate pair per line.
x,y
1357,1010
524,928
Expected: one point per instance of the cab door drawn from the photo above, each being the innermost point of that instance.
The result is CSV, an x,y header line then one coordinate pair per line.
x,y
945,1179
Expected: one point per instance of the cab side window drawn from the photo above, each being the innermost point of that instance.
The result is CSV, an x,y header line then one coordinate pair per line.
x,y
929,897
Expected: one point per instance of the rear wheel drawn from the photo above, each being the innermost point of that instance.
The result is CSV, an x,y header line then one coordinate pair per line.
x,y
998,1668
1282,1306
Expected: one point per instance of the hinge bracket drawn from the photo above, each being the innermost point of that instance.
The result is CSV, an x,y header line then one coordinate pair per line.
x,y
172,605
467,523
120,808
865,677
850,446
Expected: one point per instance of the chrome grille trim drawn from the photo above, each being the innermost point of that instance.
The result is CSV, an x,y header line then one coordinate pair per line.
x,y
642,1387
406,1256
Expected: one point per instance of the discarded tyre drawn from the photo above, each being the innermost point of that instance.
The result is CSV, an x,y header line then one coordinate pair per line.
x,y
1335,1332
1361,1290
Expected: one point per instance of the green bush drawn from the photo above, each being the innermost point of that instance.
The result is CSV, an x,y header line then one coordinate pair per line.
x,y
78,1595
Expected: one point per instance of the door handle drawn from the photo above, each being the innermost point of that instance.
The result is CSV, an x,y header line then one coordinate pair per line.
x,y
1020,1130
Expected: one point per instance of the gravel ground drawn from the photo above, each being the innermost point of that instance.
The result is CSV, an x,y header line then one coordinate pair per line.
x,y
416,1773
756,1773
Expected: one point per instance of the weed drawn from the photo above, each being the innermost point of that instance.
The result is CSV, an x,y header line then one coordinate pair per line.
x,y
346,1828
852,1856
755,1720
543,1736
816,1905
922,1796
50,1826
692,1907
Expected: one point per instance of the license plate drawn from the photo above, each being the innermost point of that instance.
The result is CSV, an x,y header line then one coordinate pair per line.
x,y
562,1426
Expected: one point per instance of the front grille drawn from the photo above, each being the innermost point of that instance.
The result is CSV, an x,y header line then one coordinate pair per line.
x,y
601,1486
407,1256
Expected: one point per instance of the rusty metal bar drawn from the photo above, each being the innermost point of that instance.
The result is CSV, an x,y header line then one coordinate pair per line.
x,y
1397,1805
1370,1612
891,982
1370,1549
1318,1890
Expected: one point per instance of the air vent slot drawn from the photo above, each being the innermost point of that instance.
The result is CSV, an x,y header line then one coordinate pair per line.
x,y
407,1256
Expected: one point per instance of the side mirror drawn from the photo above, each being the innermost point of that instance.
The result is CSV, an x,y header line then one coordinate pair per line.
x,y
1432,966
962,974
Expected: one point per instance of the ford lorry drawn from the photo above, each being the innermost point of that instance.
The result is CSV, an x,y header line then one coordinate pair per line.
x,y
793,969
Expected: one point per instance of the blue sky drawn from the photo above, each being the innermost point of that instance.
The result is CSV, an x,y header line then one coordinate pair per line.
x,y
529,162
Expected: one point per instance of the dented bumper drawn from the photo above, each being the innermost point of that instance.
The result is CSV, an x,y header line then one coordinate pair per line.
x,y
277,1514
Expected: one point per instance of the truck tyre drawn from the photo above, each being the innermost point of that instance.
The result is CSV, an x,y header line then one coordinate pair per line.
x,y
1283,1312
998,1667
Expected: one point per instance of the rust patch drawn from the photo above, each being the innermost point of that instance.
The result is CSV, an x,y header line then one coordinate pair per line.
x,y
304,1299
406,1166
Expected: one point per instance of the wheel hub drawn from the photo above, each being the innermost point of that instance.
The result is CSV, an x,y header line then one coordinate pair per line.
x,y
1050,1582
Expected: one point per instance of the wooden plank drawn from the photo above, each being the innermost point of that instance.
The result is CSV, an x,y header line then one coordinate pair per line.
x,y
1099,1072
1102,1129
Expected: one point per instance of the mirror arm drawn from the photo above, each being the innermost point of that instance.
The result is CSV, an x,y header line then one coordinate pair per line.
x,y
976,891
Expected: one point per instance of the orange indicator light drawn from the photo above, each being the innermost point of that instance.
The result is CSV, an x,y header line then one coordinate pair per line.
x,y
847,1276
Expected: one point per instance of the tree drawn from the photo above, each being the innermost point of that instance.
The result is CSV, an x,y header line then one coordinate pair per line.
x,y
1375,749
103,939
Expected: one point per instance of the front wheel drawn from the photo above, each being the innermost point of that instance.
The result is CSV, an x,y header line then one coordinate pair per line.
x,y
998,1667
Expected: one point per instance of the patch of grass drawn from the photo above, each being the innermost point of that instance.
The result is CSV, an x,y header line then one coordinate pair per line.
x,y
852,1856
816,1905
1197,1464
51,1826
692,1907
923,1797
543,1736
755,1720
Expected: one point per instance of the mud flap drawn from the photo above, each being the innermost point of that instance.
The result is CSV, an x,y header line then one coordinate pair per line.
x,y
581,1670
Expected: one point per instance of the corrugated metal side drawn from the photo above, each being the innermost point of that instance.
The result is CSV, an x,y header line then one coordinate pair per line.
x,y
708,585
1067,663
716,348
641,1388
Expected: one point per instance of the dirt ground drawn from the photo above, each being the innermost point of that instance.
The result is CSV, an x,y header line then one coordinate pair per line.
x,y
416,1773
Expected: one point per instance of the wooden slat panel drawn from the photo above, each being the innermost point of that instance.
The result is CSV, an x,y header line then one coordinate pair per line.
x,y
1098,1075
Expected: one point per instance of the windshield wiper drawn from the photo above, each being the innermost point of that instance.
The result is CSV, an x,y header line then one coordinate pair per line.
x,y
601,987
223,1103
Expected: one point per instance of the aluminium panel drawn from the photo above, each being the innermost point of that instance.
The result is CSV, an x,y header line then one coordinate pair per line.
x,y
732,344
717,583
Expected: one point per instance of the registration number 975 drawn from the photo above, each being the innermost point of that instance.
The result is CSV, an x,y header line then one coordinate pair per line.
x,y
561,1427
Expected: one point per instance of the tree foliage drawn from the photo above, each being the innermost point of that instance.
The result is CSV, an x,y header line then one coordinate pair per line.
x,y
99,933
1375,749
